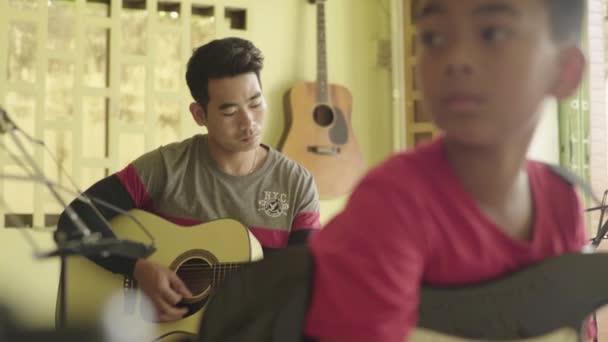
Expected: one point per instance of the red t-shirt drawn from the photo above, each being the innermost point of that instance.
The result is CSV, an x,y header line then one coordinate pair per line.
x,y
410,221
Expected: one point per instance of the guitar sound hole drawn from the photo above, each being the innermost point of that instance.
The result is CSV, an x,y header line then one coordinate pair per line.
x,y
197,274
323,115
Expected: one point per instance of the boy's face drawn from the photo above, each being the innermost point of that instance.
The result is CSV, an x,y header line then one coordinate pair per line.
x,y
235,113
485,66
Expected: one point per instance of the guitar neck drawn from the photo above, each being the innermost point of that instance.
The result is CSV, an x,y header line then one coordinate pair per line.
x,y
321,54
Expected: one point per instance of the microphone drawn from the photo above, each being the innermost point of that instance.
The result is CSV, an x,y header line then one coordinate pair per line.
x,y
94,245
91,243
101,247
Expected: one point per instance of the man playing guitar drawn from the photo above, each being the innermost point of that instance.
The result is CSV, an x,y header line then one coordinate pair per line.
x,y
226,173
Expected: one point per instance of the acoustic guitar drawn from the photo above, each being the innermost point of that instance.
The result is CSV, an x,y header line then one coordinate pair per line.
x,y
544,302
318,132
201,256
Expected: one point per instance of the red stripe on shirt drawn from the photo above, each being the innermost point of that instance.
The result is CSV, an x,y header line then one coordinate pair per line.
x,y
306,220
270,238
135,186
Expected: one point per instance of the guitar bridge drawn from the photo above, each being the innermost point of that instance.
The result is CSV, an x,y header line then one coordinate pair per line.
x,y
324,150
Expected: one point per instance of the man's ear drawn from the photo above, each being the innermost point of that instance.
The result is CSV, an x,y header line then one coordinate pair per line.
x,y
571,69
198,113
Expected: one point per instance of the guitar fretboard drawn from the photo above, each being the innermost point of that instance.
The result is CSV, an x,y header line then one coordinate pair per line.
x,y
322,95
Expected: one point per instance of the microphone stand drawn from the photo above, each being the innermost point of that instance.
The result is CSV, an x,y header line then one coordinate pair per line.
x,y
90,243
602,229
11,128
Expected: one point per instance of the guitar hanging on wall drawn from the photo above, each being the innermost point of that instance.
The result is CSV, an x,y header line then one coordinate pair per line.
x,y
318,132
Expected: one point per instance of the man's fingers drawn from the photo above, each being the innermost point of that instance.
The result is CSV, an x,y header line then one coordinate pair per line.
x,y
170,296
172,316
168,312
179,286
161,305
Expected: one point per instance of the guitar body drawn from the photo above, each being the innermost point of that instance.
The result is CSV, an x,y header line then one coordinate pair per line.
x,y
544,302
320,137
560,335
190,251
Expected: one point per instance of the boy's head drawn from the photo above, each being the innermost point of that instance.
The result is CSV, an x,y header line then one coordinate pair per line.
x,y
221,58
224,80
485,66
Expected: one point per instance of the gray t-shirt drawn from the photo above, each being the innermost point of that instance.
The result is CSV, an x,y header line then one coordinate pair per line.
x,y
182,183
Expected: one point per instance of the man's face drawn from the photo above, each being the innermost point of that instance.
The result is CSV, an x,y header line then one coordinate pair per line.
x,y
235,112
485,66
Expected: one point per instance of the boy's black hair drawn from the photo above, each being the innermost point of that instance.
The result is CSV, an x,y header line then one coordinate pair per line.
x,y
221,58
566,19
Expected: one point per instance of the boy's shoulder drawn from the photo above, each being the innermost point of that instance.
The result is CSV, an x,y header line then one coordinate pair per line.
x,y
426,164
565,175
558,178
177,147
175,155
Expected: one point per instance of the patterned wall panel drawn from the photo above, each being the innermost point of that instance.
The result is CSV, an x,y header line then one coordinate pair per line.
x,y
100,81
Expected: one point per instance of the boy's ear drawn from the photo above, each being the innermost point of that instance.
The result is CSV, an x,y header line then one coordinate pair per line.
x,y
571,69
198,113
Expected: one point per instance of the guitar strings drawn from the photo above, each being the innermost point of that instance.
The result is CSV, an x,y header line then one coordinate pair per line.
x,y
206,266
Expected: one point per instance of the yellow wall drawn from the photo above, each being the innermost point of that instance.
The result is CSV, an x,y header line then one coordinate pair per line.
x,y
285,31
28,285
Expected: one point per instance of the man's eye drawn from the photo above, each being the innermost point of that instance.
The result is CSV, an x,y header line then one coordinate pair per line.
x,y
230,113
494,34
255,104
432,39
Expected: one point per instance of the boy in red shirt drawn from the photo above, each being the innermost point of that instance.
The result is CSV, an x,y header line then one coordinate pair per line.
x,y
467,207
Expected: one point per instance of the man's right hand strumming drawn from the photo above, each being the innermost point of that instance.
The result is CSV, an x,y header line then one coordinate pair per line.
x,y
164,288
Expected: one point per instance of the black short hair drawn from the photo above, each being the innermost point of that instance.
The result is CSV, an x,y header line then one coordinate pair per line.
x,y
567,19
221,58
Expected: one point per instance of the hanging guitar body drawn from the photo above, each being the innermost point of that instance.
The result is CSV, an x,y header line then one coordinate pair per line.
x,y
318,132
320,137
